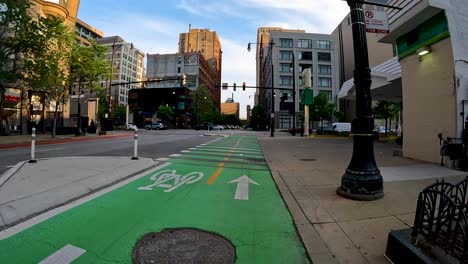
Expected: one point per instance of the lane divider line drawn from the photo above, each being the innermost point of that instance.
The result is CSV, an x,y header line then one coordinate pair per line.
x,y
215,175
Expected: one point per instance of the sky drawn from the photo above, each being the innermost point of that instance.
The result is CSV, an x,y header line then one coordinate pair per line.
x,y
153,26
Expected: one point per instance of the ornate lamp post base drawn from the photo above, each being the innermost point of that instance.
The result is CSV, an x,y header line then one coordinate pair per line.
x,y
362,187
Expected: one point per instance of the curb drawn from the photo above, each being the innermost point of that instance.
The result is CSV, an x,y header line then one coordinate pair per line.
x,y
60,141
9,173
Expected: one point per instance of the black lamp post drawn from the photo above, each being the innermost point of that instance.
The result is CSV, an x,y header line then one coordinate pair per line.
x,y
362,179
294,94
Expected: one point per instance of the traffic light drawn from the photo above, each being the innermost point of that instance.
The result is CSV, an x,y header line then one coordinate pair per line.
x,y
184,80
243,86
234,87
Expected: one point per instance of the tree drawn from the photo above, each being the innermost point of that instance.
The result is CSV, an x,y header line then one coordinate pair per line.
x,y
47,65
204,106
385,110
258,118
120,112
88,66
321,109
165,113
15,22
231,120
340,116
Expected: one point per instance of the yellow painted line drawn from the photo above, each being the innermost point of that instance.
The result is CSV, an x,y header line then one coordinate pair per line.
x,y
215,175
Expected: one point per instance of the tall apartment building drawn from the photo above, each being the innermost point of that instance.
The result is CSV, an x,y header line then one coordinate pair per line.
x,y
379,53
85,32
314,51
127,66
207,43
66,10
263,39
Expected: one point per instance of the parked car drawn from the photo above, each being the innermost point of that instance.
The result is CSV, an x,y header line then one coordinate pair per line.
x,y
204,126
218,127
156,126
131,126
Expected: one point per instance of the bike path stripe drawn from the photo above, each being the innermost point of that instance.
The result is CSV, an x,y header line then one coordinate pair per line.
x,y
234,154
233,158
215,175
65,255
189,162
227,149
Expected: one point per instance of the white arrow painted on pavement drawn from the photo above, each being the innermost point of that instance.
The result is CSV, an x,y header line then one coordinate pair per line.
x,y
242,191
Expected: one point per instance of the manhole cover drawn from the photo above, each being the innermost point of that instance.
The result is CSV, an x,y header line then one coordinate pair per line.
x,y
183,245
308,159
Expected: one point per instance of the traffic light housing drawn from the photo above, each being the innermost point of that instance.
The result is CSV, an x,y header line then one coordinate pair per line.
x,y
184,80
234,87
243,86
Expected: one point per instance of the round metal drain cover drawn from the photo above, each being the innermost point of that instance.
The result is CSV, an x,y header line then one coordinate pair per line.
x,y
184,245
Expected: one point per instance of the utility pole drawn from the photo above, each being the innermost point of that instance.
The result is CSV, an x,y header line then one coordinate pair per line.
x,y
362,179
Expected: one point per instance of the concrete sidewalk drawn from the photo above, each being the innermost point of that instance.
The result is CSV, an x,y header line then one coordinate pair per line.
x,y
308,171
29,189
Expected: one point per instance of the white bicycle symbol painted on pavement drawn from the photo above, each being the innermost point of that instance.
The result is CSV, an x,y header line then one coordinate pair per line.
x,y
163,179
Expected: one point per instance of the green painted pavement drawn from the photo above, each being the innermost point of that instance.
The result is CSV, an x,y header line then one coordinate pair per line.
x,y
107,227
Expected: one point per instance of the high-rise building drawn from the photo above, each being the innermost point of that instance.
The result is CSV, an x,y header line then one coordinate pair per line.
x,y
314,51
378,54
85,32
207,43
263,40
127,66
230,108
248,113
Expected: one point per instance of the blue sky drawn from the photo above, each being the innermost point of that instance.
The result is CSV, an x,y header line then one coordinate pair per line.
x,y
153,26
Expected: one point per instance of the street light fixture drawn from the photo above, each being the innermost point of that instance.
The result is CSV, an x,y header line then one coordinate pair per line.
x,y
362,179
272,115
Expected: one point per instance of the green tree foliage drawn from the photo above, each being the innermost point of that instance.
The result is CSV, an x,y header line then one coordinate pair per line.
x,y
15,22
165,113
258,119
231,120
204,106
340,116
120,112
46,65
321,109
385,110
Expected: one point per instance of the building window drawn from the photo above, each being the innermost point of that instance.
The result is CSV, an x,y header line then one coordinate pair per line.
x,y
323,56
323,44
324,69
302,67
328,93
286,80
304,43
179,60
285,55
305,55
285,67
178,69
324,82
286,43
349,20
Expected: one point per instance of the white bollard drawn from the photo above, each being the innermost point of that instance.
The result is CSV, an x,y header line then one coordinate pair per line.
x,y
135,146
33,146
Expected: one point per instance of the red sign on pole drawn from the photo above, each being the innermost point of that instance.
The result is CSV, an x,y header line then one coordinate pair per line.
x,y
376,21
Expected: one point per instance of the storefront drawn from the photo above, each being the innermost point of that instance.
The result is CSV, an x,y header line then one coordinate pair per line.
x,y
10,112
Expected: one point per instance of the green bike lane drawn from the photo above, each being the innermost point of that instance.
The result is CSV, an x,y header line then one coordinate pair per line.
x,y
198,189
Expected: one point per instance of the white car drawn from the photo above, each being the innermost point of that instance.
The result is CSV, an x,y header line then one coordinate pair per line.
x,y
218,127
131,126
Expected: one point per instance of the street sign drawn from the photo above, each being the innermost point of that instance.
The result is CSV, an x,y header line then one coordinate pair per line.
x,y
376,21
225,86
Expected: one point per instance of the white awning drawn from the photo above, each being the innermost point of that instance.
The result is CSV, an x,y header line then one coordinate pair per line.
x,y
382,75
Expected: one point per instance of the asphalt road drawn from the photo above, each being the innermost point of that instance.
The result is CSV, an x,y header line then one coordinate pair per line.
x,y
152,144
